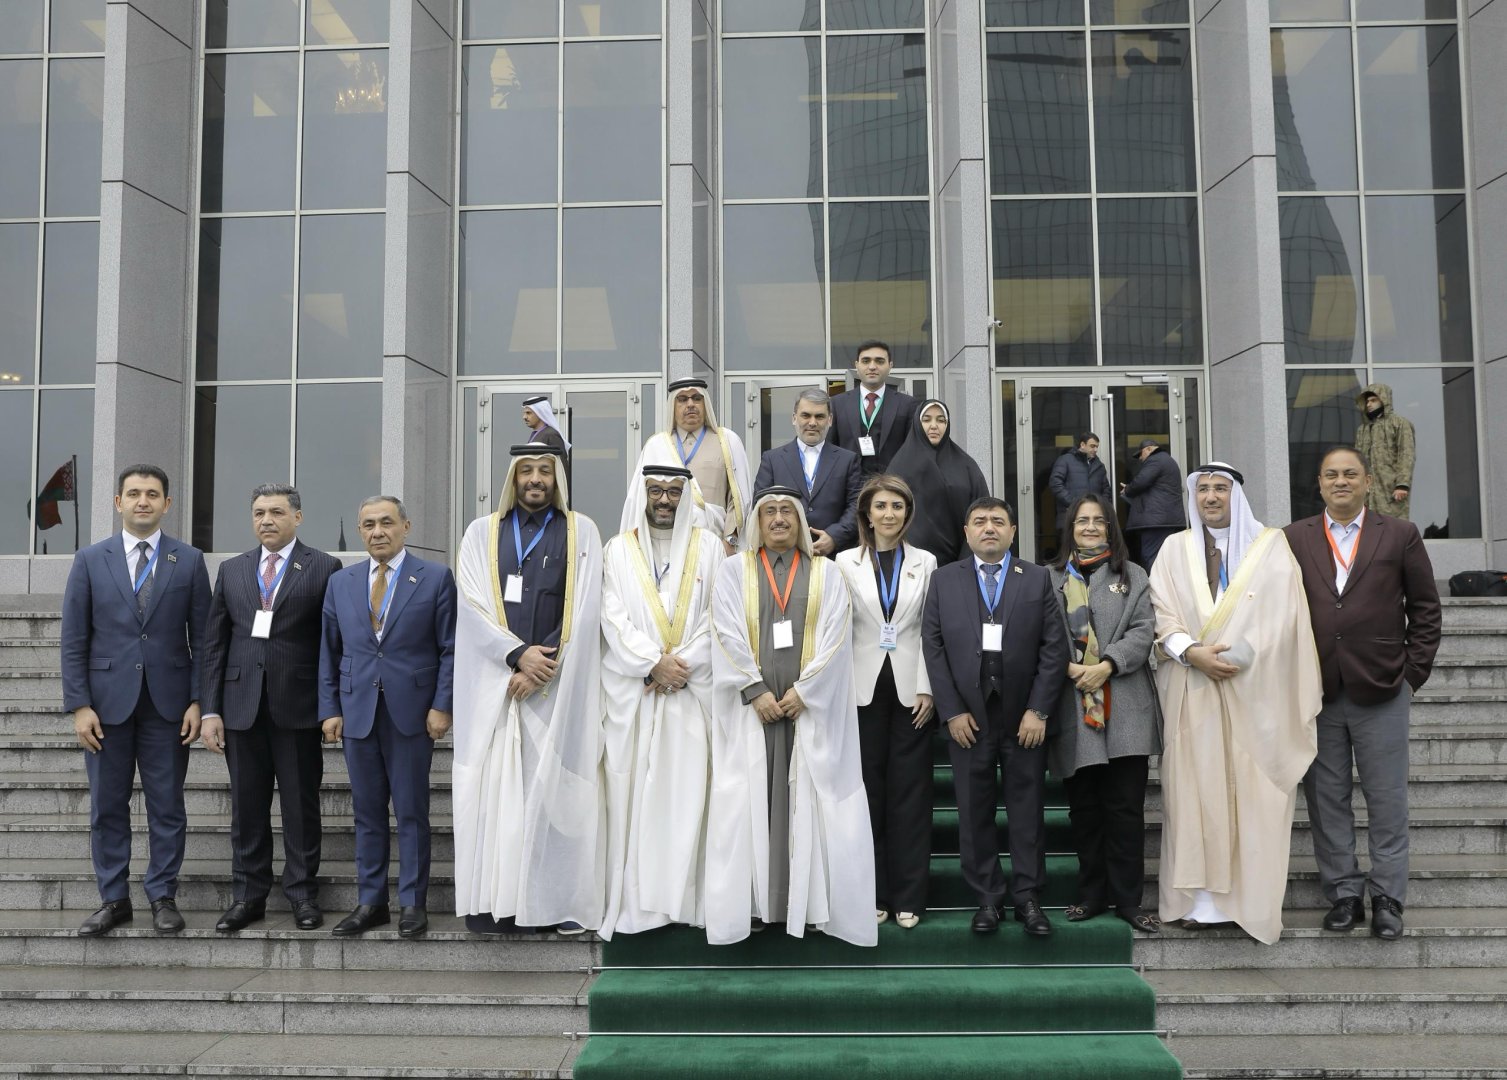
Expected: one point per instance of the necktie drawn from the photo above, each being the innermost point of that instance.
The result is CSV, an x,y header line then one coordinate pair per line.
x,y
269,574
873,407
379,591
1213,562
143,594
991,573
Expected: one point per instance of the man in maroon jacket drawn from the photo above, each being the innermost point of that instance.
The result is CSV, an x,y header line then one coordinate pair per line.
x,y
1376,621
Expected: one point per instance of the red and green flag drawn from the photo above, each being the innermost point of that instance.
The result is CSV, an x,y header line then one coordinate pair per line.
x,y
61,488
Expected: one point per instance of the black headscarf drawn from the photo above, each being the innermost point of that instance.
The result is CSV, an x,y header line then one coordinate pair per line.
x,y
944,480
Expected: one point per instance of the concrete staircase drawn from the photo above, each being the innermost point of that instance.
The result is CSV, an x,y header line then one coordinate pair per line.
x,y
275,1001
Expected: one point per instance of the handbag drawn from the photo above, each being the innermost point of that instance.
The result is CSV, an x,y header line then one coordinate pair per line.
x,y
1478,583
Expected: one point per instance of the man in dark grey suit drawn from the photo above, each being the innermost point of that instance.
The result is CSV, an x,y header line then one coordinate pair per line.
x,y
133,620
829,475
873,419
996,651
261,706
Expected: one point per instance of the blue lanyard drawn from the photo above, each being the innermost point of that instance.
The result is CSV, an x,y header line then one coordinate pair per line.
x,y
392,587
685,459
268,594
811,475
525,552
999,585
1224,575
888,595
146,570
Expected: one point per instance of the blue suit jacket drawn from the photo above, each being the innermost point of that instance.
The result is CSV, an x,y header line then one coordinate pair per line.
x,y
414,661
832,502
108,650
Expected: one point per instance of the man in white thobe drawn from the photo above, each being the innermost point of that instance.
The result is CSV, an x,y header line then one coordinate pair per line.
x,y
528,844
788,838
657,699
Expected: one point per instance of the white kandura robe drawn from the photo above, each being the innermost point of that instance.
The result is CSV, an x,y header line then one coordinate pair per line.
x,y
527,799
657,747
725,522
831,846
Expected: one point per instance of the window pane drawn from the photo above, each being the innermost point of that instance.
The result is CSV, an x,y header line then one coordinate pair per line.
x,y
510,124
1043,283
1310,10
1152,311
75,129
1033,12
345,129
771,118
1321,281
1038,113
250,131
70,302
18,303
1131,12
21,30
1378,10
240,441
1143,111
246,298
20,137
774,312
739,15
881,280
876,115
65,431
511,18
1420,286
1410,107
1321,413
78,25
611,311
346,22
239,24
340,297
592,18
15,474
876,14
507,292
612,121
1314,104
338,461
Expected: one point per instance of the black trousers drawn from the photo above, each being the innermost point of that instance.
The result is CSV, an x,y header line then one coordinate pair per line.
x,y
1106,807
263,754
897,778
1149,543
977,784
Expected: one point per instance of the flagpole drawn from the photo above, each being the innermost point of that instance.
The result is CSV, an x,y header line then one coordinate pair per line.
x,y
75,503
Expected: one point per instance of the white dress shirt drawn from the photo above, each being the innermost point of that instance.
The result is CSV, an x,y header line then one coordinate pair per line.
x,y
811,457
282,560
394,565
1345,538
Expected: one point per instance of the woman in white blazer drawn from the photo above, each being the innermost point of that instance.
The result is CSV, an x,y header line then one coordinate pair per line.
x,y
887,579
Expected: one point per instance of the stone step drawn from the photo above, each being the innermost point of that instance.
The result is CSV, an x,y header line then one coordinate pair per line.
x,y
1473,611
1331,1001
1361,1057
30,624
28,654
39,683
1469,673
258,1001
1463,641
1444,707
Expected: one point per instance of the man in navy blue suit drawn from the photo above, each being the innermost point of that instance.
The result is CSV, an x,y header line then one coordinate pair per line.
x,y
386,668
829,475
133,620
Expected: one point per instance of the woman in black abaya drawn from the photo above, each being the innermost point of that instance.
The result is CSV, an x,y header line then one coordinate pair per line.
x,y
943,477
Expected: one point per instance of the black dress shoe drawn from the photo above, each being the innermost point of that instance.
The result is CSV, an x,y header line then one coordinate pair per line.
x,y
107,918
986,919
1348,913
306,915
412,922
240,915
1386,918
165,917
362,919
1033,918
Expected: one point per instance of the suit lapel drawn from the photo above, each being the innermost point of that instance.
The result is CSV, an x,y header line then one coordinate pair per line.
x,y
115,559
824,467
411,568
910,576
162,574
793,458
1365,546
1316,551
294,576
1014,575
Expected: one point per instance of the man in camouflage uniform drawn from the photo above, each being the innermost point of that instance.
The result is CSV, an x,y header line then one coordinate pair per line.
x,y
1387,441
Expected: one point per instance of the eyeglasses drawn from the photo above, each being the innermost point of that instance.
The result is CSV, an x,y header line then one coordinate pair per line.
x,y
1084,523
657,493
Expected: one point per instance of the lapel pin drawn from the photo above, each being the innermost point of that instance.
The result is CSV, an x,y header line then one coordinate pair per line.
x,y
1119,587
171,557
412,580
1018,570
298,566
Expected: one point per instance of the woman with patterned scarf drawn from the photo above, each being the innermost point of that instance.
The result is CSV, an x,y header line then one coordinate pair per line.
x,y
1110,720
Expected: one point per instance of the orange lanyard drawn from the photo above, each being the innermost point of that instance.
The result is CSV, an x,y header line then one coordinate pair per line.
x,y
1343,562
789,578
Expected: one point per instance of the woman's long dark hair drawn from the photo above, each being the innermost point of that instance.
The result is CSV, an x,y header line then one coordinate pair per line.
x,y
1118,552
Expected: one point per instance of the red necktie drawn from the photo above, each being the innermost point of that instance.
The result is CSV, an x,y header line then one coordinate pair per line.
x,y
269,575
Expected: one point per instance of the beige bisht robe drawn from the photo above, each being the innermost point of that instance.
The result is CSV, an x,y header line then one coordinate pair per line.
x,y
1234,751
725,519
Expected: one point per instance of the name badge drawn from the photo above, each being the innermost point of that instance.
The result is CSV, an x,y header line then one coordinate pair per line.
x,y
994,637
261,624
784,634
889,637
866,445
512,592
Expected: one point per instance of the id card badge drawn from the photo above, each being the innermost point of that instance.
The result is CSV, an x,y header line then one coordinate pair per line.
x,y
889,637
784,635
994,637
261,624
866,445
512,592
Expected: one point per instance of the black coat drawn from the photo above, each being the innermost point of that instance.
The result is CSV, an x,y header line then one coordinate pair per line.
x,y
897,412
1074,474
832,503
1156,494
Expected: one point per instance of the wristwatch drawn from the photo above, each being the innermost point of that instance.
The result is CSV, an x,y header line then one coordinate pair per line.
x,y
1040,715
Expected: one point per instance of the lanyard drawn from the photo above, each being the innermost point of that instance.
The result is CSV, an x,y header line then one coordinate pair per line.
x,y
810,474
789,578
1343,562
268,594
1224,575
999,586
868,417
146,570
392,587
888,595
685,459
525,552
